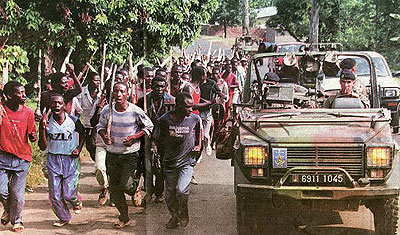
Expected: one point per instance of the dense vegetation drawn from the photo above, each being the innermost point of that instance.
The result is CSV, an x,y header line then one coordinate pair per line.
x,y
145,28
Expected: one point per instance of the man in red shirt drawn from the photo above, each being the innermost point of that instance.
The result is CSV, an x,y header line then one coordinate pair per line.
x,y
17,126
233,84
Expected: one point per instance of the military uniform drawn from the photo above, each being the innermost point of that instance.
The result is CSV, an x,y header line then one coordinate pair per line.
x,y
328,102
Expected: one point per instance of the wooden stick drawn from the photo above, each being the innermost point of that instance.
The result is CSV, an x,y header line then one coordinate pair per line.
x,y
86,66
5,74
39,81
133,77
209,53
91,68
66,61
4,44
165,61
110,72
110,103
122,65
103,64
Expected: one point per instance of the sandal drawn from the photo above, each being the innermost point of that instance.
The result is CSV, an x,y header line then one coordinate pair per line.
x,y
18,228
60,223
119,224
5,218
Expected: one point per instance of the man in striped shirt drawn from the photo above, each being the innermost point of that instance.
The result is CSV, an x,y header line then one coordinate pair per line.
x,y
129,123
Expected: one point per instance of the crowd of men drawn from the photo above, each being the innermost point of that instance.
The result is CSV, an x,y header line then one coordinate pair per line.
x,y
173,114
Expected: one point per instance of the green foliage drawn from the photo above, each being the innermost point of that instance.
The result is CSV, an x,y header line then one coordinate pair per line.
x,y
229,13
146,28
18,62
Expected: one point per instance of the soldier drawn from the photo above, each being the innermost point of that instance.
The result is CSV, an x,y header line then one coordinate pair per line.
x,y
347,82
351,65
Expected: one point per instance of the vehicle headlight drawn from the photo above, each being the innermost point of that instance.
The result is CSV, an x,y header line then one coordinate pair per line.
x,y
391,92
255,156
378,156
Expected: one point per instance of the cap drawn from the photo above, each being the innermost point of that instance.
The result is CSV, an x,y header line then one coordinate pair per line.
x,y
347,75
348,63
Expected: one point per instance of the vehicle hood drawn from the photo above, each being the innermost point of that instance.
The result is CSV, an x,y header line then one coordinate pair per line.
x,y
318,129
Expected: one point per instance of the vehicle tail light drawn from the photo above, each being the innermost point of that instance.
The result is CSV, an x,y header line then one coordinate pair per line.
x,y
255,156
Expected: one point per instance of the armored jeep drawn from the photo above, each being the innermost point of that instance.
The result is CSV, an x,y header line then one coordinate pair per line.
x,y
291,156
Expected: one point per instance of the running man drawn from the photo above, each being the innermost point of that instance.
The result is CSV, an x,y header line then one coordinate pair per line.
x,y
58,133
16,128
129,124
179,135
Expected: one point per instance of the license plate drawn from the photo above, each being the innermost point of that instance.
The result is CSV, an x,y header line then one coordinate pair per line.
x,y
325,179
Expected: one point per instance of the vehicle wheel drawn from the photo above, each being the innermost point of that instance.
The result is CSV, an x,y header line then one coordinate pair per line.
x,y
245,220
385,215
253,217
395,122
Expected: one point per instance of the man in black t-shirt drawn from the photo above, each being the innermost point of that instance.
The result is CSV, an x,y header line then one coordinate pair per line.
x,y
209,91
179,134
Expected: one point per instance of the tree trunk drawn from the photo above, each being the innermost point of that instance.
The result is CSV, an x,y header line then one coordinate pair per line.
x,y
314,22
246,20
144,41
225,29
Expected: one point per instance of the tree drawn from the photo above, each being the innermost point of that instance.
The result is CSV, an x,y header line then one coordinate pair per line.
x,y
229,13
86,24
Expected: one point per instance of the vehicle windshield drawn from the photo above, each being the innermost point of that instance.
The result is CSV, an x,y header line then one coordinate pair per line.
x,y
288,48
363,68
381,69
298,79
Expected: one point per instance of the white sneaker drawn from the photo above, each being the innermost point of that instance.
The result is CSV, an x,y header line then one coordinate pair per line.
x,y
209,150
201,157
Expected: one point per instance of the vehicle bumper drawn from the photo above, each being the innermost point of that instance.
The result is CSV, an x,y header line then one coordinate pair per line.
x,y
316,193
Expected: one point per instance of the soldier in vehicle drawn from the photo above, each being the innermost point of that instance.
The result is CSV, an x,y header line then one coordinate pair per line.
x,y
351,65
347,83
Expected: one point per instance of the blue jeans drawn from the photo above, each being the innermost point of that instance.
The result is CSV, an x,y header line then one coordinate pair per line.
x,y
13,172
177,182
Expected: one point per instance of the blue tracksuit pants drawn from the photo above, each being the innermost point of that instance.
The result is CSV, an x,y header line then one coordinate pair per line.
x,y
63,184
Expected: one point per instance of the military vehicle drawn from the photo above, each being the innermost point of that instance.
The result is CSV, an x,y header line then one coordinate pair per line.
x,y
245,45
290,156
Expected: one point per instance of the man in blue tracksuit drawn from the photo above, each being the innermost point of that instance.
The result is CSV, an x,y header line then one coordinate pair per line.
x,y
58,133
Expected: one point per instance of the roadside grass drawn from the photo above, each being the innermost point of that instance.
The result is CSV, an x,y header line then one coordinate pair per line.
x,y
35,175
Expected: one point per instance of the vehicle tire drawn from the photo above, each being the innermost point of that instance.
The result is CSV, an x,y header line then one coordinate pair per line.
x,y
395,121
245,219
385,215
253,217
